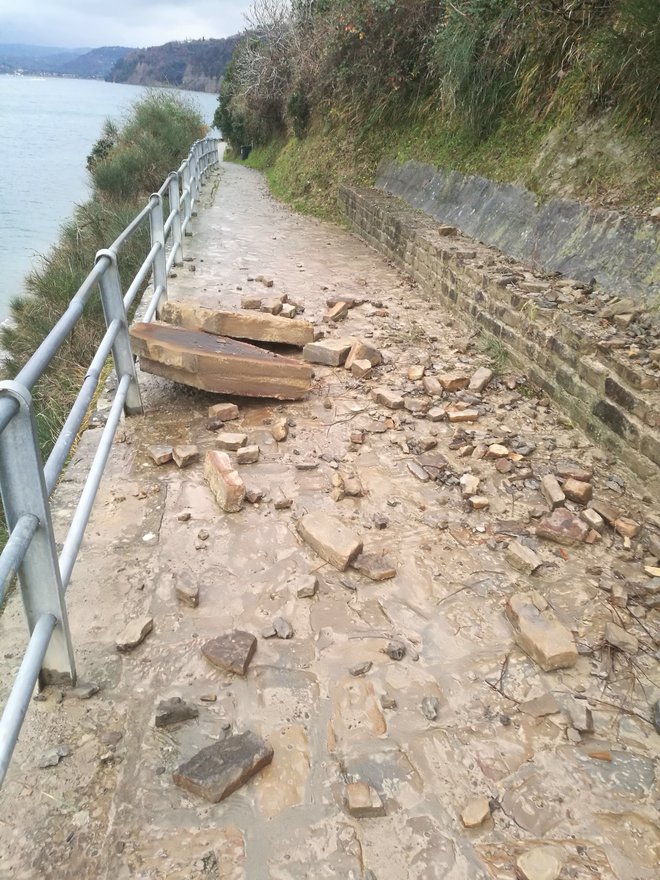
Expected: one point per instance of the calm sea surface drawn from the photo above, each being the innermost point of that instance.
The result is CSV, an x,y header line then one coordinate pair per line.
x,y
47,128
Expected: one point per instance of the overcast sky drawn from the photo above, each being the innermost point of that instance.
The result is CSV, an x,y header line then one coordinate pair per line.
x,y
76,23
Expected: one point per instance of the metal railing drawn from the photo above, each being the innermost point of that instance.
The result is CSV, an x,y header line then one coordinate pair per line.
x,y
26,483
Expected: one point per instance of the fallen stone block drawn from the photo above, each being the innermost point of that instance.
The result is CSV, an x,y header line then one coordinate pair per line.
x,y
329,352
540,863
539,707
231,652
522,558
255,327
218,364
562,527
387,397
219,769
224,482
576,490
607,511
480,379
248,454
479,502
308,588
552,491
280,430
223,412
375,566
272,306
250,301
185,455
336,312
571,470
432,387
618,637
160,454
416,372
455,381
174,711
362,801
462,415
330,538
363,351
469,485
135,632
231,441
361,369
539,632
627,527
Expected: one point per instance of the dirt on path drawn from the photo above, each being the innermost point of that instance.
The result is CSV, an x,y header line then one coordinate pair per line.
x,y
448,723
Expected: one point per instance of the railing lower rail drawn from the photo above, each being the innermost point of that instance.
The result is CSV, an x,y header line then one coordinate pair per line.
x,y
26,483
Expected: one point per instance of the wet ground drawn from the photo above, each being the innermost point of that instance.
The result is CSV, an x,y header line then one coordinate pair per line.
x,y
111,809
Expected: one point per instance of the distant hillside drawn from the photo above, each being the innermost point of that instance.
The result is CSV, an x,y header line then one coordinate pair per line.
x,y
85,63
96,63
193,64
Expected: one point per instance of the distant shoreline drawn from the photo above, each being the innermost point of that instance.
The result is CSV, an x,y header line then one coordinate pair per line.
x,y
34,74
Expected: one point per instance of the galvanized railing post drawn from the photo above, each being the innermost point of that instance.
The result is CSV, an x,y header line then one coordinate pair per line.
x,y
194,179
157,229
187,199
113,309
177,244
24,491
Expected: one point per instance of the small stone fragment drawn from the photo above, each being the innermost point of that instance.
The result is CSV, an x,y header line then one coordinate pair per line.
x,y
84,691
362,351
627,527
608,512
479,502
281,501
330,352
250,301
454,381
380,521
480,379
580,714
54,756
223,412
469,485
280,430
336,312
374,566
184,516
538,631
330,538
522,558
594,520
174,711
232,651
160,454
134,633
578,491
571,470
282,627
362,801
359,669
655,715
540,863
254,496
224,482
431,708
248,455
219,769
395,650
272,306
475,812
187,592
353,487
361,369
387,397
462,415
230,441
432,387
496,450
552,491
418,471
308,588
618,637
562,527
416,372
185,455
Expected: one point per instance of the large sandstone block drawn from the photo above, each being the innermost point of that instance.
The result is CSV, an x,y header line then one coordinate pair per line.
x,y
218,364
224,481
330,538
539,632
219,769
251,325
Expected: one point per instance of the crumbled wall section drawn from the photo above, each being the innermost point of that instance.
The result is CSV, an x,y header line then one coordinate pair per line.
x,y
620,252
549,327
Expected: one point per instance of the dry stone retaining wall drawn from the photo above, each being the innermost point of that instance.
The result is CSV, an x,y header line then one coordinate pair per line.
x,y
547,326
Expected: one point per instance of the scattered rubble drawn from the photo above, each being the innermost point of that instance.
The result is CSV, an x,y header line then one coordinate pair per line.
x,y
224,482
539,633
231,652
363,801
174,711
134,633
475,812
330,538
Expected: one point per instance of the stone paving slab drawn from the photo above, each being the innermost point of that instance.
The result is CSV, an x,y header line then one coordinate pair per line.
x,y
111,809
